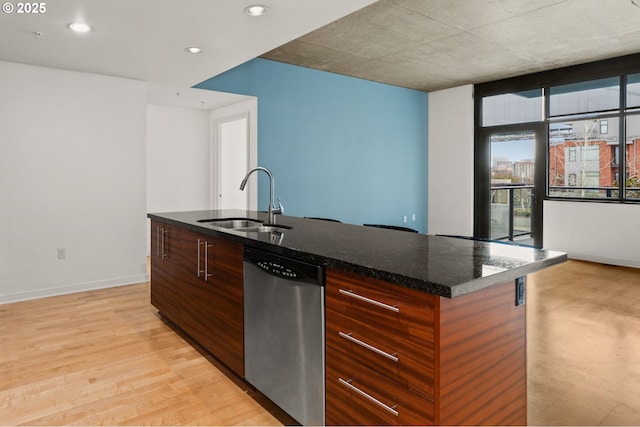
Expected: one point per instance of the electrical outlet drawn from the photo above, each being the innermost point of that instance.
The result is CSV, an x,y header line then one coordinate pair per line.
x,y
62,253
520,291
404,219
413,217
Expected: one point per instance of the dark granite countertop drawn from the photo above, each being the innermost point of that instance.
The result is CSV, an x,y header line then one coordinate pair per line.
x,y
444,266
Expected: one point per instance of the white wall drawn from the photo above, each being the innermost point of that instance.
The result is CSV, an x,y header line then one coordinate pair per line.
x,y
451,161
177,160
72,175
600,232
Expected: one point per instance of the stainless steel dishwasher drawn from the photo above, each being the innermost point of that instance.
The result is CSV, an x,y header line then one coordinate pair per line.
x,y
284,333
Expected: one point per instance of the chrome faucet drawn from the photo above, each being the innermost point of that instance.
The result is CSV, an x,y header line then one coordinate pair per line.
x,y
272,209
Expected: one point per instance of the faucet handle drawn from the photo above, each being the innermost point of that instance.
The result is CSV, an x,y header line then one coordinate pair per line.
x,y
280,208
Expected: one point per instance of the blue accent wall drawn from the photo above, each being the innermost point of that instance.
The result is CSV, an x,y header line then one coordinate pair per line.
x,y
339,147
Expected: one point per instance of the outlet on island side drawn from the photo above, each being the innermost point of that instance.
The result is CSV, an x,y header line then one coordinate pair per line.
x,y
62,253
520,291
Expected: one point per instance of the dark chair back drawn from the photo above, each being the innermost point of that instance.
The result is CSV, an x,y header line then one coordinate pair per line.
x,y
322,219
392,227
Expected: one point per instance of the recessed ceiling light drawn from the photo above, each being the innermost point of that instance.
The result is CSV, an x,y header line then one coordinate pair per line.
x,y
256,10
79,27
193,49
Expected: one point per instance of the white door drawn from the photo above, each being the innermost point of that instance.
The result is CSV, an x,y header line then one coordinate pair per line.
x,y
234,149
232,165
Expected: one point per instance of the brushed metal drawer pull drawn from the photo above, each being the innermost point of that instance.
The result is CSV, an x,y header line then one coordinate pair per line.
x,y
157,241
348,384
368,346
370,301
164,254
199,271
206,261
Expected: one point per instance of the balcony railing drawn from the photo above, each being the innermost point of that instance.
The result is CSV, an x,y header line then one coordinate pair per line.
x,y
592,192
511,212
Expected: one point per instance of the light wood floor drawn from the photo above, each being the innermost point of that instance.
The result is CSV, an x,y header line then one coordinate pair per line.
x,y
583,337
105,357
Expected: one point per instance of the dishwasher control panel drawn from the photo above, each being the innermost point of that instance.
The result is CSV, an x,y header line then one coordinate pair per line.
x,y
278,269
283,267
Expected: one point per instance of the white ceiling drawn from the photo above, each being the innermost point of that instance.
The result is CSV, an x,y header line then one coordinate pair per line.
x,y
145,39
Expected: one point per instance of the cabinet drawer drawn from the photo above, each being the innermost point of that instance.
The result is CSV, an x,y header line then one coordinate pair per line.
x,y
359,395
404,359
383,306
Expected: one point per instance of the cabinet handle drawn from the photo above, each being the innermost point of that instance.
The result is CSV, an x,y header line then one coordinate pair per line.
x,y
157,242
199,271
368,346
393,308
206,261
164,254
347,383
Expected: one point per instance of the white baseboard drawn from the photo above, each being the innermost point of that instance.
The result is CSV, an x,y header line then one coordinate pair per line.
x,y
71,289
604,260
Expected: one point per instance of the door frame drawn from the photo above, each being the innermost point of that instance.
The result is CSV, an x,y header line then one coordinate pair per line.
x,y
243,110
482,178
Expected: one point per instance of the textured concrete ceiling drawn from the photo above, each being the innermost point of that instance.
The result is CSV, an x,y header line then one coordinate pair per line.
x,y
436,44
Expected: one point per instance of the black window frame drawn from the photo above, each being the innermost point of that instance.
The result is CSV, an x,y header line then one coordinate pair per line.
x,y
616,67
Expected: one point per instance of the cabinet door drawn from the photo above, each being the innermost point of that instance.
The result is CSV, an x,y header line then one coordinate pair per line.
x,y
196,308
210,270
165,295
226,295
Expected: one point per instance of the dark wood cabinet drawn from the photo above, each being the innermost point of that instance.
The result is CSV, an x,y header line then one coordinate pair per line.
x,y
165,287
202,276
396,356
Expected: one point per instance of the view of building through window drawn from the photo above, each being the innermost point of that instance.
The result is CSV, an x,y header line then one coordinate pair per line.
x,y
584,161
512,177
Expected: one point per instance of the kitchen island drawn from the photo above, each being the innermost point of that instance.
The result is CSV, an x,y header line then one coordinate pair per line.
x,y
451,350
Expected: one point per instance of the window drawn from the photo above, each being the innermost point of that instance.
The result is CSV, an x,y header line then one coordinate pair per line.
x,y
584,97
583,136
591,153
518,107
604,126
590,179
591,116
633,90
578,147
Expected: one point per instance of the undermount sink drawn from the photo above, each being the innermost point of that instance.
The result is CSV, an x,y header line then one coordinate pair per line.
x,y
245,224
233,223
264,228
